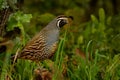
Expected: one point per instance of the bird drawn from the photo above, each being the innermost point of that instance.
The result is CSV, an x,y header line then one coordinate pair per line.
x,y
44,44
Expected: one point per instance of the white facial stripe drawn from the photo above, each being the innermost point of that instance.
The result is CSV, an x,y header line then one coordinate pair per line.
x,y
58,22
61,18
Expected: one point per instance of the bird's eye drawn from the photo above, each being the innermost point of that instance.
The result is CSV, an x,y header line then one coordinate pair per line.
x,y
61,23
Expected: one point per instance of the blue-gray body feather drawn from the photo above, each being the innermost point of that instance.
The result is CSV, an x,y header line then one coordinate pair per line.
x,y
39,47
44,44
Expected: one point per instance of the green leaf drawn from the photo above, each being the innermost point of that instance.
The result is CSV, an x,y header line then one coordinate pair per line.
x,y
3,4
23,18
101,15
17,19
26,17
94,19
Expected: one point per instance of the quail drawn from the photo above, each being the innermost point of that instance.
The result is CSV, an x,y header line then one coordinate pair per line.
x,y
43,45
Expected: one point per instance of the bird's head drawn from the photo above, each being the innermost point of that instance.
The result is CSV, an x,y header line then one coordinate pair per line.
x,y
60,21
63,20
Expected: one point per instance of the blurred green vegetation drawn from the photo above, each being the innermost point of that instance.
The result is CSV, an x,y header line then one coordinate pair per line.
x,y
89,49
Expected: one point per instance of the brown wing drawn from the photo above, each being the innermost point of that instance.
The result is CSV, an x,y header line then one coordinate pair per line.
x,y
35,48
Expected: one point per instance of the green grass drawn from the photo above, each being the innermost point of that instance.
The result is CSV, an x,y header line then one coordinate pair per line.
x,y
101,67
92,37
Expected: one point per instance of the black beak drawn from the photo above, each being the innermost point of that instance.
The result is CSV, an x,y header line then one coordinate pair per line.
x,y
71,17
